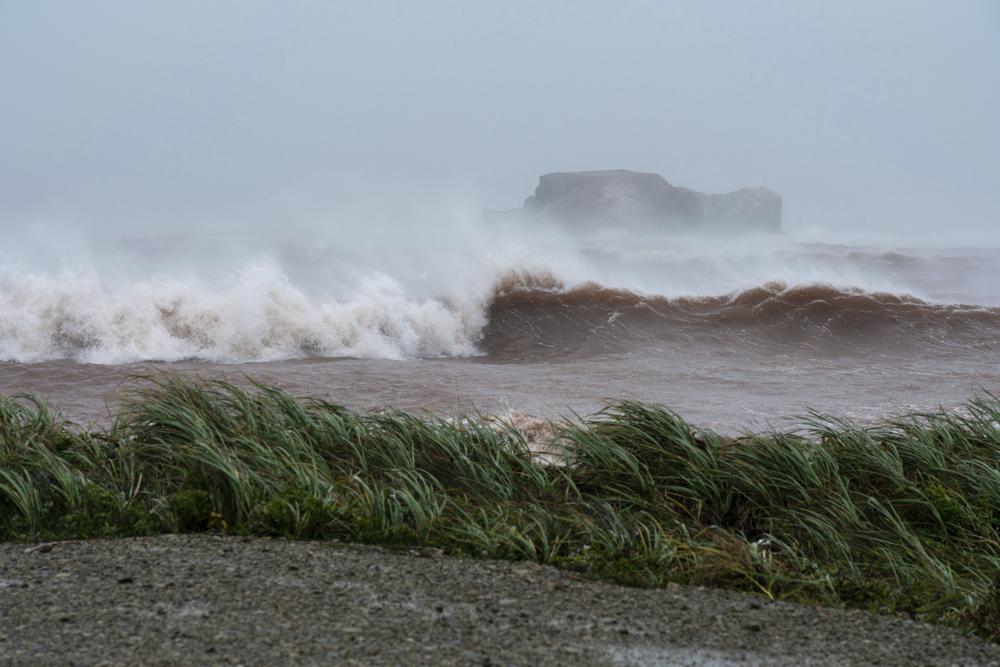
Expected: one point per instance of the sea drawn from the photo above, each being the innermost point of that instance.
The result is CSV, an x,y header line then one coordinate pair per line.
x,y
470,314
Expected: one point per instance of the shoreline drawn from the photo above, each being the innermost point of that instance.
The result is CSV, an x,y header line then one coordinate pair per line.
x,y
728,389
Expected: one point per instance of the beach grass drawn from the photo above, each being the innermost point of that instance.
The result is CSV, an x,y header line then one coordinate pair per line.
x,y
901,517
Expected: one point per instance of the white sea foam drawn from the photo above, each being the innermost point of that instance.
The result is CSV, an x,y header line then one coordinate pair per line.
x,y
259,315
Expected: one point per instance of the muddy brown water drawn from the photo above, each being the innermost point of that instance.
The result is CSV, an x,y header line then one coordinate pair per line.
x,y
715,388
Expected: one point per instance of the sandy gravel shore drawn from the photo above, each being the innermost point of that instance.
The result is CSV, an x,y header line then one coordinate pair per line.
x,y
188,600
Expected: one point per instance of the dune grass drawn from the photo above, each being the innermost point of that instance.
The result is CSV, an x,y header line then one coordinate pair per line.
x,y
901,517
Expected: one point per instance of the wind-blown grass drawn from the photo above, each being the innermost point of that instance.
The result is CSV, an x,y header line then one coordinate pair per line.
x,y
901,517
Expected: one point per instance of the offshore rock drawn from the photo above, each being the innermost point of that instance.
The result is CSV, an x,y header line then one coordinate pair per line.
x,y
621,196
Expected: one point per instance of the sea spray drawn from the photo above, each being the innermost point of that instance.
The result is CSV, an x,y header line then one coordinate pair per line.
x,y
440,285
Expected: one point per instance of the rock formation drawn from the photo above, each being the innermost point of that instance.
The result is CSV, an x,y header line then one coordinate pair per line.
x,y
631,197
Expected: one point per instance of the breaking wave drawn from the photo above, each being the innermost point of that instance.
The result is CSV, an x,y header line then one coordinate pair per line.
x,y
527,315
262,317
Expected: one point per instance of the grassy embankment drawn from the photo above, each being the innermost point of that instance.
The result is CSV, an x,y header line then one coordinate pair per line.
x,y
899,517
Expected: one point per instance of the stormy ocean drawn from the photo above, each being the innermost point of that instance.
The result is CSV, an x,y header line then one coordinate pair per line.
x,y
511,316
480,333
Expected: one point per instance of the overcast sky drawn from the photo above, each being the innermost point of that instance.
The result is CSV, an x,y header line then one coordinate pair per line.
x,y
861,114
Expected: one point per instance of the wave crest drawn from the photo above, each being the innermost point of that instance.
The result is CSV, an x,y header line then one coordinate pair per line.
x,y
589,318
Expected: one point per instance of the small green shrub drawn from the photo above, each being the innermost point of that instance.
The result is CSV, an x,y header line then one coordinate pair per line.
x,y
294,515
192,510
102,513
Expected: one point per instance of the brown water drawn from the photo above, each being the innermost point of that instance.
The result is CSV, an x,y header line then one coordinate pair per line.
x,y
723,390
533,344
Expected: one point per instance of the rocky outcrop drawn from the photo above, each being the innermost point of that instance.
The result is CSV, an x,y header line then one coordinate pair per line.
x,y
632,197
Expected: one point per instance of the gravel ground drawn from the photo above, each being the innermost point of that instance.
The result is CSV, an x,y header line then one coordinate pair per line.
x,y
184,600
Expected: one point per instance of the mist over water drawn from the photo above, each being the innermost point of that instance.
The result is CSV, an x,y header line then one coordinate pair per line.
x,y
424,284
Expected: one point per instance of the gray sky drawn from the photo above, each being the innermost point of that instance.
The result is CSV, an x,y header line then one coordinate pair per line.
x,y
864,115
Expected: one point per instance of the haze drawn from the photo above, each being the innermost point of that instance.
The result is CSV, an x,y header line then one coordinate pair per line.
x,y
865,116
